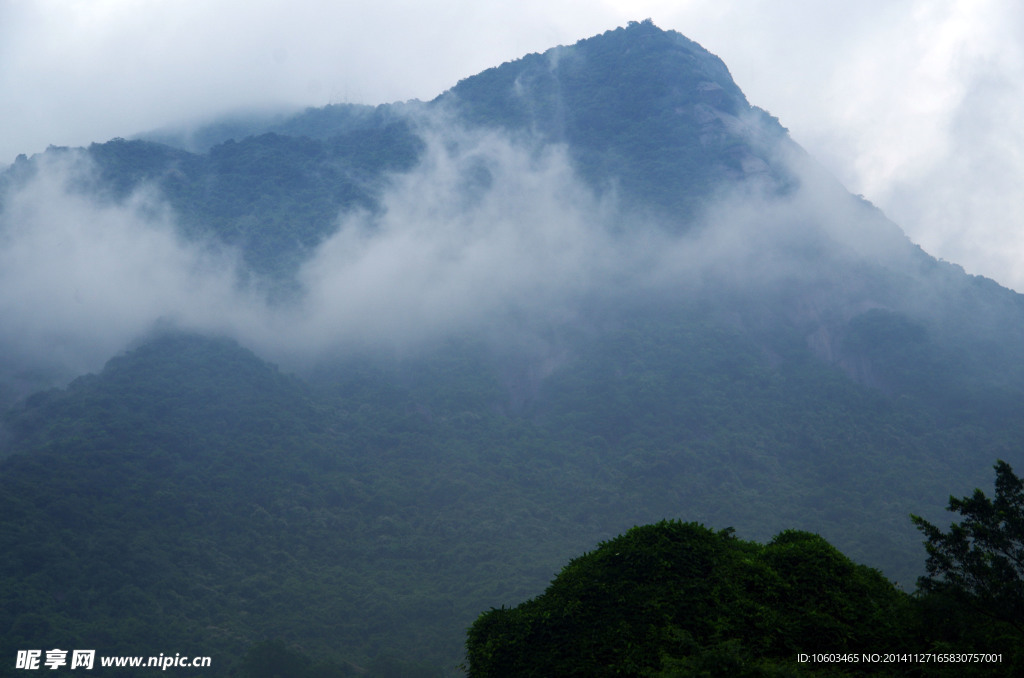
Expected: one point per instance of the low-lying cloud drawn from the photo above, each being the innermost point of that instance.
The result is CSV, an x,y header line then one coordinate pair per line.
x,y
482,226
485,234
80,279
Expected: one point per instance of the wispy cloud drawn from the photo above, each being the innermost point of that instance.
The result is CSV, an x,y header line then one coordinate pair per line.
x,y
485,236
79,279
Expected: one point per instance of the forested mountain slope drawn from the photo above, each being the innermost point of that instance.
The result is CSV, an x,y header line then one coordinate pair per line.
x,y
583,290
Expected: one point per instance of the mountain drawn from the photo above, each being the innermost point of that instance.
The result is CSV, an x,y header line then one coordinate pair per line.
x,y
363,373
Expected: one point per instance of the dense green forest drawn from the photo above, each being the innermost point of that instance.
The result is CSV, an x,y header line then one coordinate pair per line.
x,y
679,599
372,514
758,352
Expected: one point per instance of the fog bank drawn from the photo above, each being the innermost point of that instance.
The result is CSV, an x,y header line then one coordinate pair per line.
x,y
485,234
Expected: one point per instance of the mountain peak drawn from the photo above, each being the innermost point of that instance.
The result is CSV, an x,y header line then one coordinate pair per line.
x,y
646,109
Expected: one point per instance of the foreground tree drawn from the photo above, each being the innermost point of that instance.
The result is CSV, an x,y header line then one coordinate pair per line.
x,y
678,599
980,561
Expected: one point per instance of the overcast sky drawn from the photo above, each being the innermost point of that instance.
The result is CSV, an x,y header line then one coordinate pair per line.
x,y
916,104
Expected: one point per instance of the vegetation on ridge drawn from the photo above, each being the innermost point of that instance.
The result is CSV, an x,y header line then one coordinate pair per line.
x,y
679,599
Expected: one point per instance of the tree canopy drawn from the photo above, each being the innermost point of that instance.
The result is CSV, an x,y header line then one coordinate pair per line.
x,y
981,559
679,598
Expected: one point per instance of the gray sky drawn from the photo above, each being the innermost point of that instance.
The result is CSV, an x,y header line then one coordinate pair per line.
x,y
916,104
